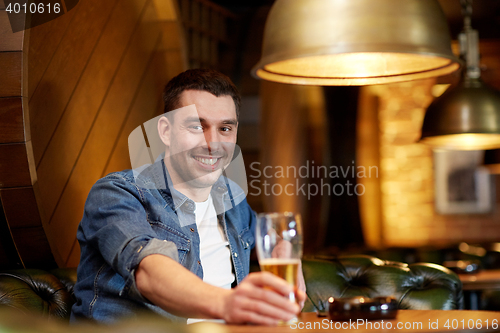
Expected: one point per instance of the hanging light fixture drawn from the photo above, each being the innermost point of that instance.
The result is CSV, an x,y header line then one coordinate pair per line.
x,y
466,117
355,42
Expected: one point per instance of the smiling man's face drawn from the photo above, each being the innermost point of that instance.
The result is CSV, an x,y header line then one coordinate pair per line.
x,y
201,140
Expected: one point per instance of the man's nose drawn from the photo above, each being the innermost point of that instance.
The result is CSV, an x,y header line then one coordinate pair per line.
x,y
212,138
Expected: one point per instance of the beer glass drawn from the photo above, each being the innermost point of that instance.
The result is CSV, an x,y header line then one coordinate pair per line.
x,y
279,246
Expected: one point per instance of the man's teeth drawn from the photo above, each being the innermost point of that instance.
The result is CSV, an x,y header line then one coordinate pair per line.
x,y
208,161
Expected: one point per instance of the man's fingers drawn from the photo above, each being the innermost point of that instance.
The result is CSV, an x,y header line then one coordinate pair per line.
x,y
280,286
263,298
259,306
268,310
259,294
266,279
301,295
301,298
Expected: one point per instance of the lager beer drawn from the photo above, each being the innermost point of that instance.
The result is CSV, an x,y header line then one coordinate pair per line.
x,y
284,268
278,238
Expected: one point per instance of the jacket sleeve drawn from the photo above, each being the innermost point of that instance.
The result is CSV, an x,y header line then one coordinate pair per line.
x,y
115,224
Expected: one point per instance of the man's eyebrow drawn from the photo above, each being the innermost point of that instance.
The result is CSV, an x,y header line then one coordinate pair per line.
x,y
230,122
193,119
203,120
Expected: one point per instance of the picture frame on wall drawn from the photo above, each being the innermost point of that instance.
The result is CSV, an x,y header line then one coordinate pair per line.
x,y
462,184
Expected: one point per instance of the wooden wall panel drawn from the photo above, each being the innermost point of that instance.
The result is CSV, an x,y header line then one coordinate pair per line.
x,y
44,42
14,144
90,77
33,247
21,209
11,120
58,83
119,158
103,86
100,142
141,69
173,49
10,79
142,108
10,41
21,203
14,168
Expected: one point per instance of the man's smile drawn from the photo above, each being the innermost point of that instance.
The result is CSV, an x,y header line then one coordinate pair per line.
x,y
207,160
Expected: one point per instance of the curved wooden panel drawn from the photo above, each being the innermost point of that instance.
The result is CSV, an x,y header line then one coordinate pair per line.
x,y
11,120
90,76
23,241
10,80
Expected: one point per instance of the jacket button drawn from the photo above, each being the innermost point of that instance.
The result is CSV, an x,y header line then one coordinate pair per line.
x,y
235,255
199,262
192,230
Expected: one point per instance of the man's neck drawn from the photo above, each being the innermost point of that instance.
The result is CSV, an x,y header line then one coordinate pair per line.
x,y
195,194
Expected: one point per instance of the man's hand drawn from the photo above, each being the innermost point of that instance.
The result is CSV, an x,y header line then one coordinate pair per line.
x,y
261,298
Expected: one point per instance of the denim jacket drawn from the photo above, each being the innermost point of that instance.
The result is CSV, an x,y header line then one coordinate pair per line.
x,y
129,216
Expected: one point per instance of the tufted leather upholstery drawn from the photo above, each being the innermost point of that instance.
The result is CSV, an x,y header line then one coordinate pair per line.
x,y
416,286
34,290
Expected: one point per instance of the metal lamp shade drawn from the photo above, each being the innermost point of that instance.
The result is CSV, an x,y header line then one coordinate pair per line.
x,y
355,42
466,117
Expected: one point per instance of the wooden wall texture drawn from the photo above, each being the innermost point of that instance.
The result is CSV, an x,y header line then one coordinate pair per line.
x,y
89,78
293,138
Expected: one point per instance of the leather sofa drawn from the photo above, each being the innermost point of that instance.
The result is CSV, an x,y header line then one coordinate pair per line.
x,y
419,286
415,286
46,293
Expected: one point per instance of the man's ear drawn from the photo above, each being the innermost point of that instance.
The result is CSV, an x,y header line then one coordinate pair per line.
x,y
164,129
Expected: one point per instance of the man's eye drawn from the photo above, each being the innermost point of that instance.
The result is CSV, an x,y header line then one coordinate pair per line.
x,y
196,127
226,129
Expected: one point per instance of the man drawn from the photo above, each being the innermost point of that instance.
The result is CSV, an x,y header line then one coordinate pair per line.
x,y
178,249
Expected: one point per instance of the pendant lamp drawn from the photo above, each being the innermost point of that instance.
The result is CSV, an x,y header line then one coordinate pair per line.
x,y
466,117
355,42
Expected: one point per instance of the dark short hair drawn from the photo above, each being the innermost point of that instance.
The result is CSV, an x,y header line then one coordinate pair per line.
x,y
208,80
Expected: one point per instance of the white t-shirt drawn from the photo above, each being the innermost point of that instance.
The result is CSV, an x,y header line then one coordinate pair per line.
x,y
215,255
214,246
